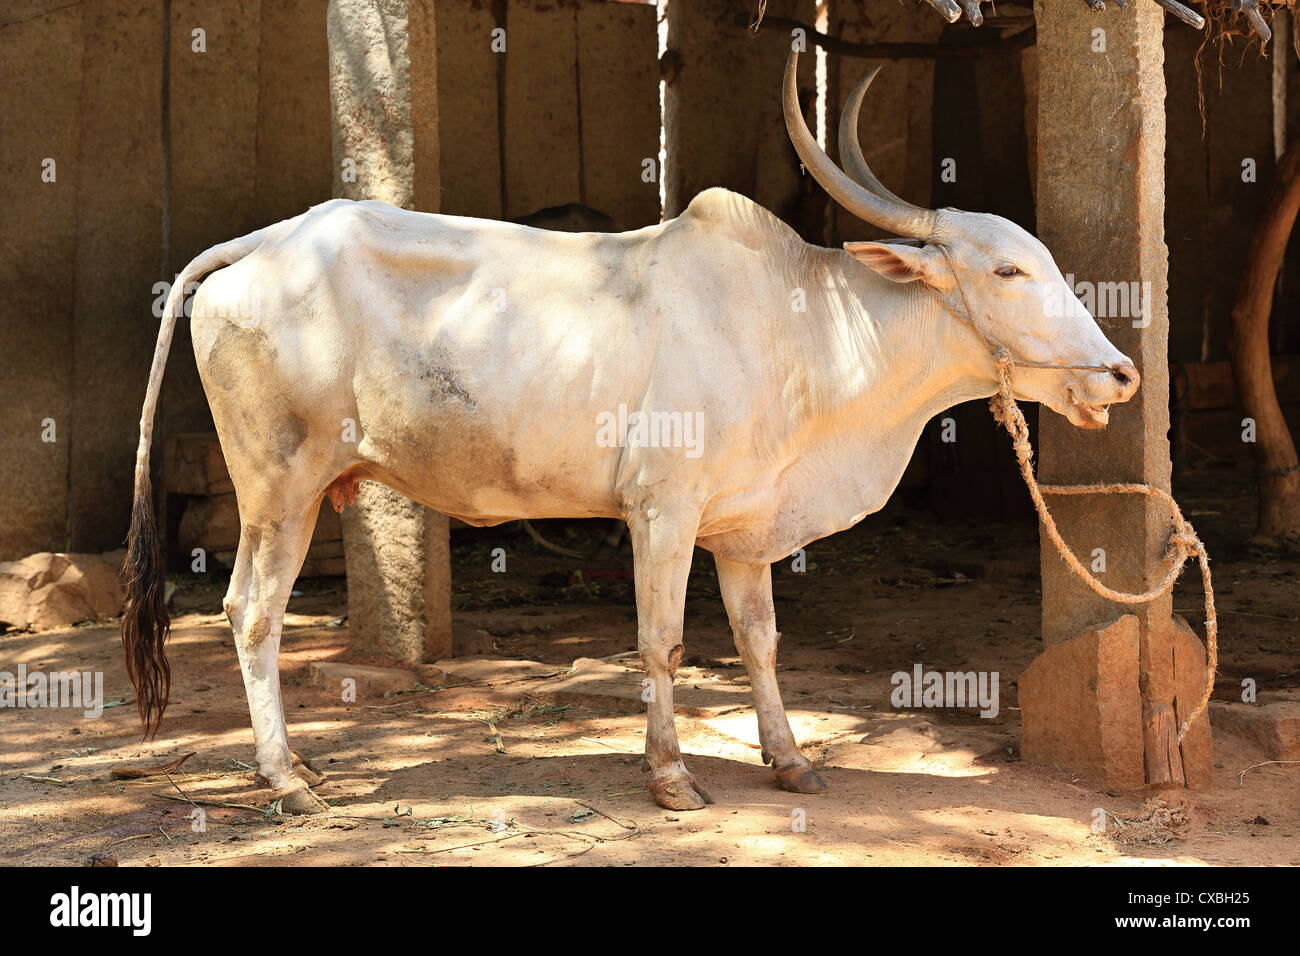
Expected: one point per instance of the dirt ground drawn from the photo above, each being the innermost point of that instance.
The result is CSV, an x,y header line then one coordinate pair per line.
x,y
419,779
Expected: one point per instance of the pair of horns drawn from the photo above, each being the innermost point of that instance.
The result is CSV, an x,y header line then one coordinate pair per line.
x,y
858,191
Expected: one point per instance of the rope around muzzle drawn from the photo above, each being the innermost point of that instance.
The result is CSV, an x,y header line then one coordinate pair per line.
x,y
1183,540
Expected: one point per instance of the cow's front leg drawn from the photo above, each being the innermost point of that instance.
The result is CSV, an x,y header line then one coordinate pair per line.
x,y
747,593
662,544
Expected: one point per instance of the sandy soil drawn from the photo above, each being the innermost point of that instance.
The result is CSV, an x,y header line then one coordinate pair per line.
x,y
419,779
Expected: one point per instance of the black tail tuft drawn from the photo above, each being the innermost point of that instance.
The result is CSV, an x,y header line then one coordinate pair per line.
x,y
145,622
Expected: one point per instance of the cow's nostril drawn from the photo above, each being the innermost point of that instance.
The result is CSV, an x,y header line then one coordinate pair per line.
x,y
1124,373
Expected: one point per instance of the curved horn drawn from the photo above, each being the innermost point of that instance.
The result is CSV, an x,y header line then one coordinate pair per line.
x,y
851,158
891,214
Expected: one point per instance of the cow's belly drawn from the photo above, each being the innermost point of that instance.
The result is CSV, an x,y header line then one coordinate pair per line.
x,y
463,464
482,435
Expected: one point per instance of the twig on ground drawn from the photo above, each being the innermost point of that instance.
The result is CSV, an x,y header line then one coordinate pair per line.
x,y
214,803
39,779
621,750
1241,776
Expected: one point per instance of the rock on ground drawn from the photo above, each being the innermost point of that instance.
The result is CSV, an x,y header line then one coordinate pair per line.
x,y
370,681
1273,724
47,590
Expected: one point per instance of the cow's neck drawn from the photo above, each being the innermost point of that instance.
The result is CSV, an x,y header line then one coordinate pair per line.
x,y
899,361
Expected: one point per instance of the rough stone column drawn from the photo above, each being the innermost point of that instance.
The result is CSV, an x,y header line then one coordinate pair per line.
x,y
382,93
1101,137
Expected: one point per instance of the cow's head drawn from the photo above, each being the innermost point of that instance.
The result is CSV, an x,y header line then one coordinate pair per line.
x,y
1013,288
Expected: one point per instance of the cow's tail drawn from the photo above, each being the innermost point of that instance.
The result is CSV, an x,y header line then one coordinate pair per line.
x,y
145,622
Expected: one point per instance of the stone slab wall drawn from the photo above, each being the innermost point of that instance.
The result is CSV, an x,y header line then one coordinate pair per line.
x,y
567,113
166,142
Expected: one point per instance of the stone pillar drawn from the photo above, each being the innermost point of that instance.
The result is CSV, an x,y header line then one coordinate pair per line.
x,y
1101,132
383,102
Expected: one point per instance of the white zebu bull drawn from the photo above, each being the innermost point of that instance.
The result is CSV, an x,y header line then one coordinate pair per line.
x,y
476,357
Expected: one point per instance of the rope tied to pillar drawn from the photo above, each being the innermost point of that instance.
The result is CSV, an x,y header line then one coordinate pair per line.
x,y
1183,540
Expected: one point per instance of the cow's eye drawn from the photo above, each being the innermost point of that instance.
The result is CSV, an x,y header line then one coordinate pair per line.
x,y
1009,272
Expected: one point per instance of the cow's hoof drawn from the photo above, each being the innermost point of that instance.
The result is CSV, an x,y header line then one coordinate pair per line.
x,y
307,773
800,778
301,801
679,792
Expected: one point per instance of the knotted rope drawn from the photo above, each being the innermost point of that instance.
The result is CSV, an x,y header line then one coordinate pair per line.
x,y
1183,540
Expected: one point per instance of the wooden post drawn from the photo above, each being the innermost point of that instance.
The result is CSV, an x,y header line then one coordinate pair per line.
x,y
383,73
1252,365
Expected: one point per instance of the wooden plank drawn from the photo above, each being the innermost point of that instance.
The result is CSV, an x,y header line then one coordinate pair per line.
x,y
423,76
722,107
618,82
40,72
709,107
213,155
119,255
777,172
294,165
896,141
543,157
469,145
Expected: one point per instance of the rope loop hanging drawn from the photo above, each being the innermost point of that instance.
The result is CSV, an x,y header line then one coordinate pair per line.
x,y
1183,540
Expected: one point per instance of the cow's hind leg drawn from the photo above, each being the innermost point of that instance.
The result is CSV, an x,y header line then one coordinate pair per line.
x,y
747,593
273,542
662,543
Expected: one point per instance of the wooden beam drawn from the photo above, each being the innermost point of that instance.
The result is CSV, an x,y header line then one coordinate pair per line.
x,y
903,51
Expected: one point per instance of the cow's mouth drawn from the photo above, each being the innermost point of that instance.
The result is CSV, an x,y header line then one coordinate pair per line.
x,y
1085,414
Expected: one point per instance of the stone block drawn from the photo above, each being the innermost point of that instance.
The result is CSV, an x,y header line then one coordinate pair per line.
x,y
119,240
469,670
370,681
722,105
212,155
1081,708
192,464
293,110
211,524
48,590
1274,726
399,576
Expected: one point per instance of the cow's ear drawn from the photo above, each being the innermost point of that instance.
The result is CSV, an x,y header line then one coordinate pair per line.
x,y
900,262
